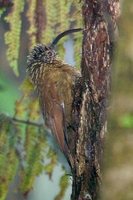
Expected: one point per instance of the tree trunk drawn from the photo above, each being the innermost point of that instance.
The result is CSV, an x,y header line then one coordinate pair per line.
x,y
91,94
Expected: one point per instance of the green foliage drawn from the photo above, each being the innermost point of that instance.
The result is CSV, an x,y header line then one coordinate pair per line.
x,y
31,18
35,143
2,10
8,158
47,18
52,161
24,144
12,37
33,137
64,183
21,143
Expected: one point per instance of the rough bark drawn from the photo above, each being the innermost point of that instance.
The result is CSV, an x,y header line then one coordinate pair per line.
x,y
90,104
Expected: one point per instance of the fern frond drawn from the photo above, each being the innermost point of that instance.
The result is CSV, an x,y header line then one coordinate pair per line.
x,y
8,157
52,162
12,37
31,18
51,11
64,183
34,148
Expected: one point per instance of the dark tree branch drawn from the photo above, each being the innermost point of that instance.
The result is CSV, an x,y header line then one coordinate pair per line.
x,y
26,122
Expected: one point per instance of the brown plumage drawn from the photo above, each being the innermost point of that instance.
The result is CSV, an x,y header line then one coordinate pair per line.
x,y
54,81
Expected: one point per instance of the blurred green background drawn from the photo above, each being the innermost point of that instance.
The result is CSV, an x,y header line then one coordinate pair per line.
x,y
118,160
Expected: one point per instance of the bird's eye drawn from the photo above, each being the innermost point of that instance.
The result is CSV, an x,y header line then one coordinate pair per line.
x,y
49,53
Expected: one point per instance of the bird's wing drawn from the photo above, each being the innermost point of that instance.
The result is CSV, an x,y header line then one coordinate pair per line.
x,y
52,107
56,121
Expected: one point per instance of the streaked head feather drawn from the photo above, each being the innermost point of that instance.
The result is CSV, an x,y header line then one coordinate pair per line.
x,y
41,54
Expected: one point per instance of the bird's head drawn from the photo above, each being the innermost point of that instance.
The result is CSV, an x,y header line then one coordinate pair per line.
x,y
38,59
41,54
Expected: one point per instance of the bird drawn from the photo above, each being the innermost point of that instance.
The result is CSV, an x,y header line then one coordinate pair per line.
x,y
54,81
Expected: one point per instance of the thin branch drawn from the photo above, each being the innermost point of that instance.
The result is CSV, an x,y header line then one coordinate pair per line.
x,y
27,122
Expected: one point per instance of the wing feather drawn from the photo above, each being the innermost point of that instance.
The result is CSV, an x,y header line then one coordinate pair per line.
x,y
53,110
